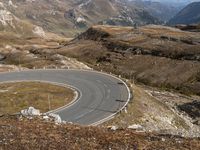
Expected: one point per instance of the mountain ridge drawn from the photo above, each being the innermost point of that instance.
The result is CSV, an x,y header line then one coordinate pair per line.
x,y
188,15
69,17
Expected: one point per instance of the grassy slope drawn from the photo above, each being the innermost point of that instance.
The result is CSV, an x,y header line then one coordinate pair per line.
x,y
154,55
17,96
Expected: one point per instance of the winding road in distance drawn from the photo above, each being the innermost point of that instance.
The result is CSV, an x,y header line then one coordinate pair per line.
x,y
101,95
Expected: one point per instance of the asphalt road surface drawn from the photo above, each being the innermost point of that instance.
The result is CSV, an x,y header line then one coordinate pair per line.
x,y
100,95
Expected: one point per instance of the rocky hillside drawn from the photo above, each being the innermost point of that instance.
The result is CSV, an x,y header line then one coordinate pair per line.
x,y
10,23
68,17
154,55
37,133
189,15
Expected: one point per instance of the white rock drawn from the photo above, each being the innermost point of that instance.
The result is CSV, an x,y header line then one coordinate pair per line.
x,y
80,19
46,117
39,31
6,18
135,127
3,91
163,139
56,117
8,47
114,128
31,111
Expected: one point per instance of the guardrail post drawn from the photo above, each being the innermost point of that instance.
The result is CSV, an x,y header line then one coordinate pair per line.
x,y
125,109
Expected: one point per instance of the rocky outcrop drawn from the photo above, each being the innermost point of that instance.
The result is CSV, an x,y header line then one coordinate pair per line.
x,y
192,109
93,34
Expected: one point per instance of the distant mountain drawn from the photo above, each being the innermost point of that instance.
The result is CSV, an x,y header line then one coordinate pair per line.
x,y
189,15
162,10
68,17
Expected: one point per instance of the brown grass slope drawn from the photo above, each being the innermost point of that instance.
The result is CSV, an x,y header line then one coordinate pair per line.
x,y
154,55
34,134
17,96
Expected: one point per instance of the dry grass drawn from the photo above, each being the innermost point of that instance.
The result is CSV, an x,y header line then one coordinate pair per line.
x,y
153,55
17,96
159,56
145,109
34,134
113,29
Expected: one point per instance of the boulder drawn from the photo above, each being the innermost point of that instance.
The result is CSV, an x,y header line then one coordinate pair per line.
x,y
56,118
31,111
135,127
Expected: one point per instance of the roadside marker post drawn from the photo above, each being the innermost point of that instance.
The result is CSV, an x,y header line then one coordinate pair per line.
x,y
49,102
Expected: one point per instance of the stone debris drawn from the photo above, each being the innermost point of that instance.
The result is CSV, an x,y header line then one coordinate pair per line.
x,y
39,31
31,112
136,127
114,128
46,117
56,118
